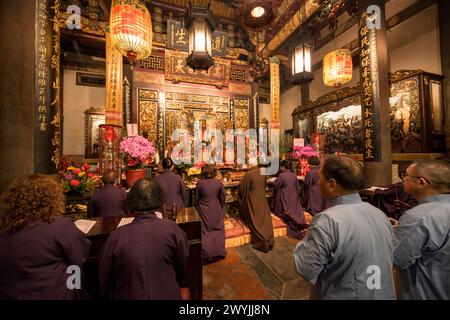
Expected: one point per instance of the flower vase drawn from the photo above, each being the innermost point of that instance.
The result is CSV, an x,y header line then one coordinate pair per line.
x,y
134,175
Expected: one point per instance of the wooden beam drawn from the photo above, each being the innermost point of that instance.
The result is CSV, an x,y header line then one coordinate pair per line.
x,y
105,5
403,15
409,12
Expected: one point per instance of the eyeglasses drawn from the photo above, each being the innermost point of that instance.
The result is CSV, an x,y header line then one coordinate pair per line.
x,y
403,176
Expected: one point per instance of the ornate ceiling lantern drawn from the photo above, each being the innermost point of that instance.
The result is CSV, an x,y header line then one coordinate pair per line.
x,y
200,26
256,14
301,64
131,28
337,68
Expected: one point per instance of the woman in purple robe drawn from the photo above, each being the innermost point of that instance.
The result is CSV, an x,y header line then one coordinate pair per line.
x,y
210,204
37,245
315,201
172,185
146,259
287,200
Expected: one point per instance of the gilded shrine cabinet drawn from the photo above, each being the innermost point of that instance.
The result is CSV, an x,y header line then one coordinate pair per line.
x,y
416,116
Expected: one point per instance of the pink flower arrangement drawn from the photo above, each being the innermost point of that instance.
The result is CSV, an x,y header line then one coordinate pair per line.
x,y
299,153
136,151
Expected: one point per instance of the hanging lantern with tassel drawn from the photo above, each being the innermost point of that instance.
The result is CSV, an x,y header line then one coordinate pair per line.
x,y
131,28
337,68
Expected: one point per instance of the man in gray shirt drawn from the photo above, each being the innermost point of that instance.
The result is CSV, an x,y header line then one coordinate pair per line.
x,y
422,237
347,253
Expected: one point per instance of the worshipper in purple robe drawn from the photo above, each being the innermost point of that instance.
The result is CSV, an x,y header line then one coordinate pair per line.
x,y
172,185
315,202
255,209
108,201
147,258
394,201
287,200
37,245
210,204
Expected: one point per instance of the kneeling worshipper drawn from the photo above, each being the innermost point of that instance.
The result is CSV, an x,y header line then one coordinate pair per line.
x,y
255,209
147,258
210,204
287,200
37,245
348,252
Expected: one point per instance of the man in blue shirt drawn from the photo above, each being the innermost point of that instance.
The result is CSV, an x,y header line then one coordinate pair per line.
x,y
347,253
422,245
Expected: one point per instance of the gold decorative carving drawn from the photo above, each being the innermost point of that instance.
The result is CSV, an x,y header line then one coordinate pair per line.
x,y
148,111
222,108
406,129
173,105
402,74
241,103
170,124
201,106
214,100
170,96
241,118
148,94
225,101
183,96
197,98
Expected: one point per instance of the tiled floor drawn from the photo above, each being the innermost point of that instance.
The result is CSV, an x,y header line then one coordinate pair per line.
x,y
248,274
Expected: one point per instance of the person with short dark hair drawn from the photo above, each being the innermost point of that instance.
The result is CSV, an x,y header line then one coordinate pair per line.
x,y
172,185
348,251
422,238
147,258
210,204
315,202
109,200
37,244
287,200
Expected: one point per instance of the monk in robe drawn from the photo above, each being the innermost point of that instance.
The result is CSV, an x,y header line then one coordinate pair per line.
x,y
348,251
394,201
37,245
108,201
287,200
422,238
172,185
147,258
314,200
255,209
210,204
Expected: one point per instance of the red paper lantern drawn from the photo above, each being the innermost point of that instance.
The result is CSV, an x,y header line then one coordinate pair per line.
x,y
337,68
131,28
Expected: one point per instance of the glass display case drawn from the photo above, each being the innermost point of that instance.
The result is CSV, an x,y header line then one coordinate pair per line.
x,y
416,116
